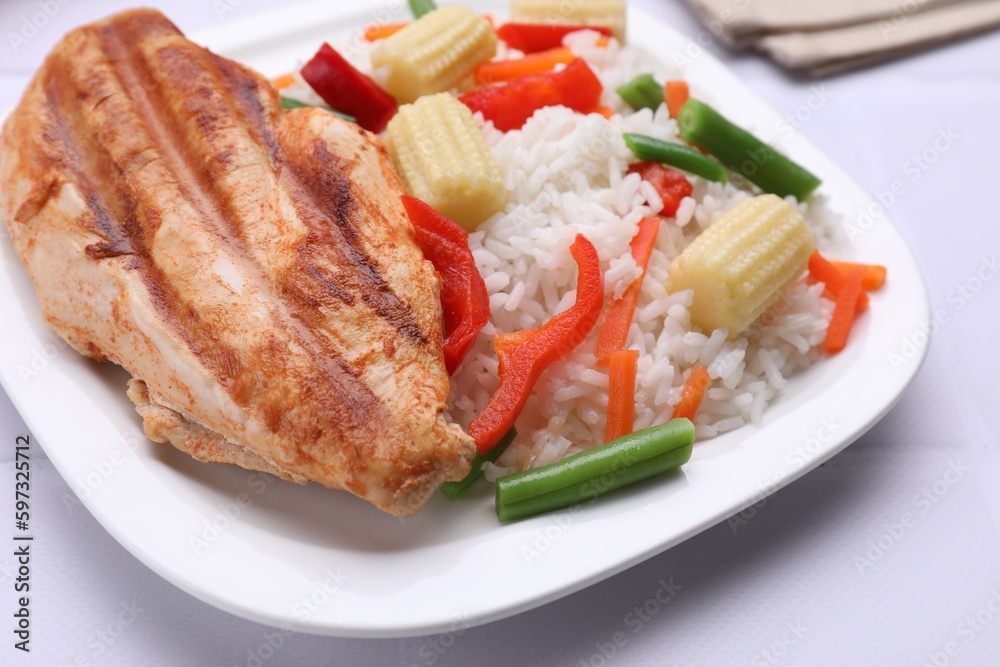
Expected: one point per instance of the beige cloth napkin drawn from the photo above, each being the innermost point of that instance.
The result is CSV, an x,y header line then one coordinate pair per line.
x,y
833,35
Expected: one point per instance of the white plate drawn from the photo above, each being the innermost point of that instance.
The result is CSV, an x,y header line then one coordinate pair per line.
x,y
319,561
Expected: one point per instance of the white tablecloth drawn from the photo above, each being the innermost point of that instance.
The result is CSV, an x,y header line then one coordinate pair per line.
x,y
888,554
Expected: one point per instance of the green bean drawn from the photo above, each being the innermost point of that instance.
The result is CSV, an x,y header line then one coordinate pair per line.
x,y
421,7
675,155
289,103
642,92
584,476
452,490
742,152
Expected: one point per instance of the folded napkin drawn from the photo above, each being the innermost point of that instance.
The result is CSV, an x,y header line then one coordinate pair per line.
x,y
825,37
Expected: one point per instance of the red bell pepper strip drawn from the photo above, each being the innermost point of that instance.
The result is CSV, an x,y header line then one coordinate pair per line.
x,y
535,37
670,184
346,89
510,106
524,355
464,300
614,332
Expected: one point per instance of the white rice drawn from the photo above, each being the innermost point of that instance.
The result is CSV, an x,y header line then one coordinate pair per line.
x,y
566,174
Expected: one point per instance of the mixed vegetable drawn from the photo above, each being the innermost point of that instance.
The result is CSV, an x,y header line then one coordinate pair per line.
x,y
435,53
421,7
452,490
671,185
442,158
585,476
347,90
675,155
466,305
642,92
535,37
744,153
509,107
618,319
440,69
737,266
524,355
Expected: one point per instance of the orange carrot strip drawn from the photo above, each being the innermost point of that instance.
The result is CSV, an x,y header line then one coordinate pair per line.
x,y
675,94
602,41
536,63
378,31
874,276
824,271
621,394
607,112
618,320
691,393
845,311
283,81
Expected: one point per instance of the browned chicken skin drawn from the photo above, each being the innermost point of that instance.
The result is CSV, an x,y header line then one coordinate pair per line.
x,y
252,268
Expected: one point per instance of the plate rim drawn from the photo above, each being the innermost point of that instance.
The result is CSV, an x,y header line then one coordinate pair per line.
x,y
289,18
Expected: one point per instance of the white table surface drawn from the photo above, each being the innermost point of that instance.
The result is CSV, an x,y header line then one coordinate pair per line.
x,y
822,572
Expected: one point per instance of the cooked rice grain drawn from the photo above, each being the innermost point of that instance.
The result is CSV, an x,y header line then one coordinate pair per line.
x,y
566,173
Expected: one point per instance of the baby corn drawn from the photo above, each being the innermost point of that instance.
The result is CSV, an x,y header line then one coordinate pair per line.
x,y
608,13
738,266
434,53
442,158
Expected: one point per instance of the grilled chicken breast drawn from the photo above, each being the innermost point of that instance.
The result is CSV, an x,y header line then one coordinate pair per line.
x,y
252,268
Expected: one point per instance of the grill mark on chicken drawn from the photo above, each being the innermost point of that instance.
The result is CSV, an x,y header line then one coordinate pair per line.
x,y
328,189
181,65
120,243
328,337
248,100
340,390
128,229
333,191
301,287
345,396
59,136
37,199
356,271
